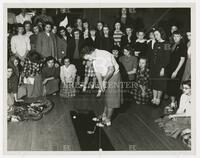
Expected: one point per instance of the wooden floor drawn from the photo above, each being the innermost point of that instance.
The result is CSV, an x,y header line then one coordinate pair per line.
x,y
133,128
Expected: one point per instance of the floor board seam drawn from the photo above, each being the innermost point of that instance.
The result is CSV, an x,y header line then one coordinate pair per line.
x,y
151,131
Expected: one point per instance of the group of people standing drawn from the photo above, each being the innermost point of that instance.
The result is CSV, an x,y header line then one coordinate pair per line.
x,y
48,55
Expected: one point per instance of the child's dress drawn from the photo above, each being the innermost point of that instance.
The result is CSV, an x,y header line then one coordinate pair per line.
x,y
89,69
142,78
67,76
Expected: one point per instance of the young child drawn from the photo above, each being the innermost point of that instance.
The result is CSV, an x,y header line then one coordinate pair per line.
x,y
89,73
141,92
67,76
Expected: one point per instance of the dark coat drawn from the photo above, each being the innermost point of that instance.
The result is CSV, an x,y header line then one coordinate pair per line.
x,y
71,47
125,42
62,47
46,46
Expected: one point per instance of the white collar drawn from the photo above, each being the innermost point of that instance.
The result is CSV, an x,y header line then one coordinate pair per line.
x,y
141,41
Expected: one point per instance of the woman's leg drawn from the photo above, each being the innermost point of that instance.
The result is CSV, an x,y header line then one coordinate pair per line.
x,y
78,80
159,95
155,94
86,80
109,116
94,81
103,115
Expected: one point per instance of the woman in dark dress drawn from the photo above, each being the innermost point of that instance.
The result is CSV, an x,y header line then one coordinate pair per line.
x,y
107,41
158,62
140,45
99,33
128,38
175,67
150,44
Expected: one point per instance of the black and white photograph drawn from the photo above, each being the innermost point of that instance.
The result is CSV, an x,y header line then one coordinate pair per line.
x,y
99,78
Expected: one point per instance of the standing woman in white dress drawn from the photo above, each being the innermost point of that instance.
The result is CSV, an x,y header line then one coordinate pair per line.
x,y
108,76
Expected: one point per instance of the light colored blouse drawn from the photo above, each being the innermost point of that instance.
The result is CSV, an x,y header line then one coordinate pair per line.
x,y
103,60
185,105
68,74
20,44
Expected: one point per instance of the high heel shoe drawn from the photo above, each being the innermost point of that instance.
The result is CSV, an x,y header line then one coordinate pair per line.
x,y
104,123
99,93
99,118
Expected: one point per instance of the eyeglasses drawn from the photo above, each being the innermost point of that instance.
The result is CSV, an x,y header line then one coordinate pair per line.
x,y
186,88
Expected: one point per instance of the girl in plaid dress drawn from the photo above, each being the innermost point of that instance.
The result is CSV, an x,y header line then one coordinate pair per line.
x,y
89,73
67,76
141,91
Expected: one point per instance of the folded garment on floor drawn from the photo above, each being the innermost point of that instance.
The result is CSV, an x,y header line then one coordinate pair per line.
x,y
29,111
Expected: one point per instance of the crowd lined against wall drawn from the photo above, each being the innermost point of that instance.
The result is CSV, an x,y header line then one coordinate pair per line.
x,y
45,54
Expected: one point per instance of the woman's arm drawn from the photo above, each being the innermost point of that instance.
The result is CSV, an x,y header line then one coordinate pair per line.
x,y
13,45
179,115
181,62
16,99
47,79
99,78
132,71
62,75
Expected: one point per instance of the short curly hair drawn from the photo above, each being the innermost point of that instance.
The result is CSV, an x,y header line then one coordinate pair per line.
x,y
64,58
87,50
